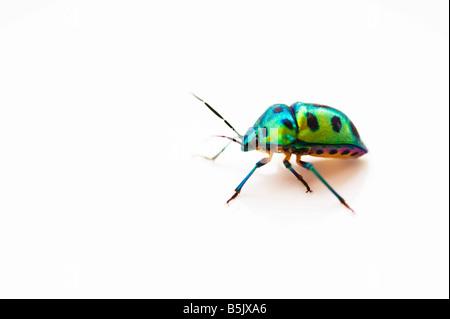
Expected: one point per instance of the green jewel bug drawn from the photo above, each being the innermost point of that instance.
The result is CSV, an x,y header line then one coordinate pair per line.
x,y
300,129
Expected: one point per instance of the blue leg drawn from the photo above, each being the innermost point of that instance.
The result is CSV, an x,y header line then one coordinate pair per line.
x,y
262,162
299,177
312,169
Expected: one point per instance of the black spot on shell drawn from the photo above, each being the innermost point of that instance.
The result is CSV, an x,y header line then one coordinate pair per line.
x,y
312,122
332,152
345,152
303,150
278,109
355,153
318,152
287,123
336,124
354,130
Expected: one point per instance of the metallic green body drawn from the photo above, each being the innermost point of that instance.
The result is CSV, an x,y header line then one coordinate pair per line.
x,y
299,129
305,128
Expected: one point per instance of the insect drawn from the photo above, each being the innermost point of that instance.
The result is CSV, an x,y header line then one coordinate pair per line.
x,y
300,129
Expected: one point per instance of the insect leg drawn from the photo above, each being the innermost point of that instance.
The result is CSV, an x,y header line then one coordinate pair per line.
x,y
262,162
299,177
312,169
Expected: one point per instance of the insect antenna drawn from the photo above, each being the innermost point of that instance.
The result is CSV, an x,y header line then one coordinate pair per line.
x,y
217,114
213,158
230,138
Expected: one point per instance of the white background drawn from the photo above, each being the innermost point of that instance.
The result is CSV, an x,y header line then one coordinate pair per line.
x,y
101,194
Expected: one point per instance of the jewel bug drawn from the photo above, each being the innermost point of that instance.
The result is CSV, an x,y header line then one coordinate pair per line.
x,y
300,129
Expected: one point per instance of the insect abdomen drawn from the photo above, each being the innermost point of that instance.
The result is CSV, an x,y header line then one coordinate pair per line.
x,y
332,131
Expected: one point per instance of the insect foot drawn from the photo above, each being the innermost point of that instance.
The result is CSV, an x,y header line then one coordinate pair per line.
x,y
232,197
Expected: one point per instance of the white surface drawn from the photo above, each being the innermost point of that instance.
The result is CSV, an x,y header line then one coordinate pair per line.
x,y
100,195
